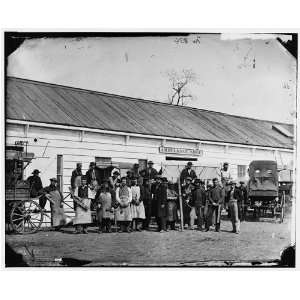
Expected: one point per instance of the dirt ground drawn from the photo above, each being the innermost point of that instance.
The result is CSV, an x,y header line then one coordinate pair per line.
x,y
258,241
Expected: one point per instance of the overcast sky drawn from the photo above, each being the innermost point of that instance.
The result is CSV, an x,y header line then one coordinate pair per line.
x,y
248,77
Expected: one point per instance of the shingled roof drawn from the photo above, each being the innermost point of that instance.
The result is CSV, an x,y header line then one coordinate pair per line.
x,y
34,101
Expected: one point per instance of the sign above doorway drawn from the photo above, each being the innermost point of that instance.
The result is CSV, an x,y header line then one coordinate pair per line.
x,y
183,151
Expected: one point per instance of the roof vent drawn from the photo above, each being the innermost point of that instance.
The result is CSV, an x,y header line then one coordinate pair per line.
x,y
282,130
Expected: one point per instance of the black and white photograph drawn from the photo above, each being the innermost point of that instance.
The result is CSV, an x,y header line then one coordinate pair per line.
x,y
150,149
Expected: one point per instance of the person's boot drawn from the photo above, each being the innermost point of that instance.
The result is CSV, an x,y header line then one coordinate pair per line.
x,y
173,226
124,227
135,226
138,227
77,229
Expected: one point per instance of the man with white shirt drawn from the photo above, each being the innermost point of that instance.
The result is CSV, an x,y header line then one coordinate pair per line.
x,y
225,180
225,175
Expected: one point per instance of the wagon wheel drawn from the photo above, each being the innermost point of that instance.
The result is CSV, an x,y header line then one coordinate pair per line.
x,y
26,217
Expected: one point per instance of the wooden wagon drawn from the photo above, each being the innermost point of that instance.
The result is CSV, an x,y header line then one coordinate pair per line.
x,y
265,195
23,214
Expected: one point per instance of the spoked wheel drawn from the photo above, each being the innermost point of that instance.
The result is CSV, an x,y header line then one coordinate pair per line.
x,y
26,217
282,207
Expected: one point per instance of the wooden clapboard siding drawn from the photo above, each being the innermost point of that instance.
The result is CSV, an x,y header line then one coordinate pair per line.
x,y
74,150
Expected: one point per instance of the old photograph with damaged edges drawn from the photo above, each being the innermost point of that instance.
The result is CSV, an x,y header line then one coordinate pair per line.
x,y
150,149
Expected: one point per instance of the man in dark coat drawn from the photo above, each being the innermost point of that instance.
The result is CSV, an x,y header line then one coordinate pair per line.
x,y
93,174
36,187
77,173
93,179
153,188
187,172
146,196
216,197
235,197
186,199
198,202
150,172
161,197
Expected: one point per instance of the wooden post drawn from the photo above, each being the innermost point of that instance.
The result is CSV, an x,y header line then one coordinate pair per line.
x,y
60,172
180,204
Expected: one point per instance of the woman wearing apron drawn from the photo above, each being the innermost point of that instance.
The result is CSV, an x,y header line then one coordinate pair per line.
x,y
137,206
123,212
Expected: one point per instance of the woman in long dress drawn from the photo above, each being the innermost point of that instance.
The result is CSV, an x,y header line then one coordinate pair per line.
x,y
123,212
137,206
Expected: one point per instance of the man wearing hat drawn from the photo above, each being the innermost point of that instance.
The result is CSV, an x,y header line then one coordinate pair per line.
x,y
216,197
76,176
161,204
93,181
93,175
150,172
36,186
225,181
58,217
225,174
154,187
198,202
187,172
186,199
234,195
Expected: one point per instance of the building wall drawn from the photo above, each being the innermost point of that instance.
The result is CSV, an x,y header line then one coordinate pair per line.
x,y
75,146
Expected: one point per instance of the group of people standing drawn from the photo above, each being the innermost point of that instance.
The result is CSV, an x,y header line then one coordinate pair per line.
x,y
206,201
132,201
129,201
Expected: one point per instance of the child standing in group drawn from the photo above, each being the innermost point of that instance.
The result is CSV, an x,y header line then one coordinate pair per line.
x,y
104,208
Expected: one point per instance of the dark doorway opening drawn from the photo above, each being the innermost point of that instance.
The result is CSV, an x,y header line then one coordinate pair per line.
x,y
181,158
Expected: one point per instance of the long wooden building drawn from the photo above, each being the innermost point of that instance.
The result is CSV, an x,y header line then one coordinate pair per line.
x,y
65,125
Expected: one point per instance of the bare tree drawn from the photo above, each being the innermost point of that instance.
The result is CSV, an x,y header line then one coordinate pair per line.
x,y
179,83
